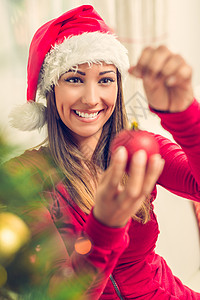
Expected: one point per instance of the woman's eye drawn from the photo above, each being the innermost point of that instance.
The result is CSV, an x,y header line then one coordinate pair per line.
x,y
73,80
106,80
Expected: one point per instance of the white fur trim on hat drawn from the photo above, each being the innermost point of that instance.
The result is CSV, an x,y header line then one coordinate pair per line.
x,y
28,116
89,47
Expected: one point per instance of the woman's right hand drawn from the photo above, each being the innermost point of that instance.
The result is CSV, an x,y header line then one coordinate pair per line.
x,y
114,203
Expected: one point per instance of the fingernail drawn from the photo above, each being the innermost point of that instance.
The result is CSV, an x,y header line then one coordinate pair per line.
x,y
156,158
171,80
120,150
130,70
140,155
158,161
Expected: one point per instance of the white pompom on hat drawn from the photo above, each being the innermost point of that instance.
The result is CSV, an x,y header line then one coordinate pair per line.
x,y
78,36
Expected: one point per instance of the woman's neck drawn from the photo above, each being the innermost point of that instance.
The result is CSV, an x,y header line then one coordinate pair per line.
x,y
87,145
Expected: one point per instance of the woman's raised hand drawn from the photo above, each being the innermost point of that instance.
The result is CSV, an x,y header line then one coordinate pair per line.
x,y
114,203
166,79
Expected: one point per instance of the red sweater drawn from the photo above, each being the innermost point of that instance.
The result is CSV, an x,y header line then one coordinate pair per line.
x,y
128,253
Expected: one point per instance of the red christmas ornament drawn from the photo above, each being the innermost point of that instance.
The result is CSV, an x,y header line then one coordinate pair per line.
x,y
134,140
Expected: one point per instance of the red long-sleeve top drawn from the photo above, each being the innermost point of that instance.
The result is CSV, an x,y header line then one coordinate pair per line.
x,y
127,254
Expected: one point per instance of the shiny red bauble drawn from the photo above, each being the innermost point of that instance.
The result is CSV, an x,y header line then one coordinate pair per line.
x,y
133,141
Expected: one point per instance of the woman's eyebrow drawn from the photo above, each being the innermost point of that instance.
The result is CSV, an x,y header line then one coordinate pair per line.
x,y
76,71
105,72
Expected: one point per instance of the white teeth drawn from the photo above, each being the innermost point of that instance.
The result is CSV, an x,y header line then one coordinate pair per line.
x,y
86,115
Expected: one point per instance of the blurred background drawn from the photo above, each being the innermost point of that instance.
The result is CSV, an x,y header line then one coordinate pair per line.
x,y
138,23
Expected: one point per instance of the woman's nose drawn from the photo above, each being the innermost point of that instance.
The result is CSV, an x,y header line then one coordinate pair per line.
x,y
90,95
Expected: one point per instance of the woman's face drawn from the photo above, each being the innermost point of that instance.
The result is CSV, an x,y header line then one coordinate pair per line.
x,y
86,98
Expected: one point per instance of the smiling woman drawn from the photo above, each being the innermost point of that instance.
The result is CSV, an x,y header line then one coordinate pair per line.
x,y
104,216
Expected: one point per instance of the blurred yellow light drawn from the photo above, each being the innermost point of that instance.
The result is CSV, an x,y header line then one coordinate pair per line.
x,y
9,241
14,234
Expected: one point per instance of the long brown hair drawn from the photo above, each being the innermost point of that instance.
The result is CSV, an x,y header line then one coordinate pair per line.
x,y
70,160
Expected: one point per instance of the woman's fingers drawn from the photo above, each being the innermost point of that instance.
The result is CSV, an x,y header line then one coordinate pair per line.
x,y
143,173
151,62
181,75
153,172
142,63
157,61
118,165
172,65
136,175
113,175
161,63
115,204
107,208
143,177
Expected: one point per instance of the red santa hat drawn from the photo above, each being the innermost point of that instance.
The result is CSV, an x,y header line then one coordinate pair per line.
x,y
78,36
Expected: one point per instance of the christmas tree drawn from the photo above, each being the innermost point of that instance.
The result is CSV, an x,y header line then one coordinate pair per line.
x,y
26,260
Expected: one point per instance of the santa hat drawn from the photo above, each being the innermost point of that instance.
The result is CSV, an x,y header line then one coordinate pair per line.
x,y
78,36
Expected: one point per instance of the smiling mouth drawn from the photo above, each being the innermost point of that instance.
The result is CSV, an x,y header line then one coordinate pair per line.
x,y
86,115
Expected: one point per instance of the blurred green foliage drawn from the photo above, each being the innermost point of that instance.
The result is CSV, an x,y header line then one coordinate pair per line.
x,y
27,278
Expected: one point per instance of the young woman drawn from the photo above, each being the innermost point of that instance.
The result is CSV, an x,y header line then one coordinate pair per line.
x,y
78,65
